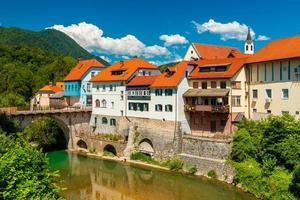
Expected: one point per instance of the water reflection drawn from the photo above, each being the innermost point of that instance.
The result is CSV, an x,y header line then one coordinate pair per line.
x,y
87,178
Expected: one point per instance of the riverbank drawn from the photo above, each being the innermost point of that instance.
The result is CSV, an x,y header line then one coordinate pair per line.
x,y
144,165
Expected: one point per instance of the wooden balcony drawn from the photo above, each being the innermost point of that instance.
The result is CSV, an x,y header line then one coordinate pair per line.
x,y
207,108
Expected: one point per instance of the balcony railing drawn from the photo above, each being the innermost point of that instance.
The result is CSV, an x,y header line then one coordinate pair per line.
x,y
207,108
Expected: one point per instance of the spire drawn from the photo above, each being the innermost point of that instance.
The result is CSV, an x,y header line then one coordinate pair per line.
x,y
249,38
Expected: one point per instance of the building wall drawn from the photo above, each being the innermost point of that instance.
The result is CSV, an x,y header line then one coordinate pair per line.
x,y
259,107
40,101
72,88
191,53
86,86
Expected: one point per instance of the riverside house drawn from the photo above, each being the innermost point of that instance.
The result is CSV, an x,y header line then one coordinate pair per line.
x,y
77,85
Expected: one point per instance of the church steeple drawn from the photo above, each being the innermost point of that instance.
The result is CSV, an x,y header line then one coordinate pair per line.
x,y
249,45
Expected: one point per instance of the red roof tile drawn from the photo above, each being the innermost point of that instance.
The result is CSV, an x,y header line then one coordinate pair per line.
x,y
233,66
126,68
142,81
51,88
172,76
208,51
81,68
278,49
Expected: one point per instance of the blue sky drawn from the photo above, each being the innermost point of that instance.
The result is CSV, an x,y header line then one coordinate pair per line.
x,y
121,29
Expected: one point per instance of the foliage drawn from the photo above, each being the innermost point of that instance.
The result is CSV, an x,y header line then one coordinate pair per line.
x,y
295,183
113,137
163,67
265,155
92,150
143,157
189,169
45,133
7,125
50,40
108,154
174,164
24,171
212,173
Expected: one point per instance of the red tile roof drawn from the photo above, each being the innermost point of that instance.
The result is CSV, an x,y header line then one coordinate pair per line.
x,y
172,76
128,67
278,49
81,68
142,81
208,51
52,88
233,66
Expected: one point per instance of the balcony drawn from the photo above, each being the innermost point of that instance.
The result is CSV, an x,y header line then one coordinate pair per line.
x,y
139,97
207,108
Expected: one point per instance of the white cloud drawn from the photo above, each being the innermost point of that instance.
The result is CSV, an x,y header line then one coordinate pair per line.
x,y
173,39
105,58
231,30
262,38
91,38
171,59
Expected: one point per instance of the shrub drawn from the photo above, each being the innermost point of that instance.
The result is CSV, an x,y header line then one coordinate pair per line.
x,y
174,164
243,146
143,157
212,173
108,154
190,169
92,150
295,183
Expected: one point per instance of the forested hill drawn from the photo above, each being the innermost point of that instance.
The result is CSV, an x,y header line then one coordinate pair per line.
x,y
24,69
50,40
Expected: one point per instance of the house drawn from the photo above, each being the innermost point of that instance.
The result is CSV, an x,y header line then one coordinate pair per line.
x,y
109,91
77,85
41,100
273,78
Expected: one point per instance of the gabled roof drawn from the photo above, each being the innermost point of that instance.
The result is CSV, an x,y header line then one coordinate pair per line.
x,y
278,49
126,68
208,51
81,68
233,66
142,81
172,76
52,88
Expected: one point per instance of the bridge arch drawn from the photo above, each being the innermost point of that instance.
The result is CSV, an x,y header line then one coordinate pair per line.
x,y
82,144
146,146
110,148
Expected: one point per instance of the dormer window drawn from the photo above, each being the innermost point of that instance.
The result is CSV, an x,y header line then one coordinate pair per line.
x,y
118,72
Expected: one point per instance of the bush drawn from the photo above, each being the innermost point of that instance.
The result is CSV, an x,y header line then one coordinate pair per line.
x,y
190,169
92,150
295,183
174,164
143,157
212,173
108,154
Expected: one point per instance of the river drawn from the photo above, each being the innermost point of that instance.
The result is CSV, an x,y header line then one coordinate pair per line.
x,y
86,178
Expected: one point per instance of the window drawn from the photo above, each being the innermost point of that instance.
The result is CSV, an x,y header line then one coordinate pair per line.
x,y
269,93
158,107
213,84
122,95
110,87
97,87
97,103
254,94
139,106
195,85
118,72
289,70
168,92
88,86
223,84
112,105
269,111
186,74
168,108
192,51
95,119
284,112
280,71
158,92
104,120
265,72
72,87
103,88
223,122
92,74
115,87
204,85
236,101
236,84
272,75
103,103
285,93
257,73
113,122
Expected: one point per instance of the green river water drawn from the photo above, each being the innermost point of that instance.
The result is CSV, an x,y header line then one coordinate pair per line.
x,y
86,178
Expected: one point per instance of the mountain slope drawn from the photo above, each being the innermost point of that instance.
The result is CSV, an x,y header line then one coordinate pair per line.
x,y
50,40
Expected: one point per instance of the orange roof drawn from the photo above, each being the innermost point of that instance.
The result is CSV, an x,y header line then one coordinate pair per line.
x,y
51,88
142,80
60,85
126,69
278,49
81,68
172,76
233,66
208,51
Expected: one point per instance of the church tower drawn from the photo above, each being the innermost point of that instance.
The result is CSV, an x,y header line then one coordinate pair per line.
x,y
249,45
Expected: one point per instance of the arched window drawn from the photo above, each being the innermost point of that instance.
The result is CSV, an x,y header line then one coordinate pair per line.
x,y
103,103
104,120
97,103
168,108
113,122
